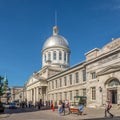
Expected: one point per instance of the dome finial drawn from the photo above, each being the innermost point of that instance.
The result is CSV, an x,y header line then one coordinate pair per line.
x,y
55,30
55,18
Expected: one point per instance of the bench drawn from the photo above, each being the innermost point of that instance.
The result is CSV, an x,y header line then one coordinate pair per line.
x,y
75,110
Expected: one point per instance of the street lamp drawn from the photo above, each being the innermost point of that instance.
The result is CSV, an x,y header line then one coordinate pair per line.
x,y
100,89
101,94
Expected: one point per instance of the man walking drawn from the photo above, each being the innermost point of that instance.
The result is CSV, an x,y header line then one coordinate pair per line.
x,y
107,108
63,107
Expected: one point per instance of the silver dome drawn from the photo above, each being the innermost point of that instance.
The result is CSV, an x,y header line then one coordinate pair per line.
x,y
55,40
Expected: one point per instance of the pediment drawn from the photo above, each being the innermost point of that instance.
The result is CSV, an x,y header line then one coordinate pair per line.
x,y
35,78
29,81
108,70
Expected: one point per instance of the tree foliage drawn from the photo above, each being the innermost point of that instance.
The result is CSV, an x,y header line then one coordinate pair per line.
x,y
3,85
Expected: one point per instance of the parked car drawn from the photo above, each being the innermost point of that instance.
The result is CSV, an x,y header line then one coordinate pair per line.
x,y
1,107
12,105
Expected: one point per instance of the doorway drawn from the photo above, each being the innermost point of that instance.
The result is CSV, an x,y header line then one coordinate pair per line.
x,y
112,96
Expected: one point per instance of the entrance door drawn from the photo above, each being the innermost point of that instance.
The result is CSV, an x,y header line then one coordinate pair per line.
x,y
112,96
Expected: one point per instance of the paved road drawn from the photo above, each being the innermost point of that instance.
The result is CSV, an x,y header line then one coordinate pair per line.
x,y
33,114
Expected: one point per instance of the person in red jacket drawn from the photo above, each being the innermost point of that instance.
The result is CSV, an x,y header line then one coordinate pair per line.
x,y
52,107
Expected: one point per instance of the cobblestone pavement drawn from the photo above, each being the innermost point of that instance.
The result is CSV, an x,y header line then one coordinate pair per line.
x,y
34,114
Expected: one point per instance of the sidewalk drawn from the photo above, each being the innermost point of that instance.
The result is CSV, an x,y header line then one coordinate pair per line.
x,y
4,115
91,114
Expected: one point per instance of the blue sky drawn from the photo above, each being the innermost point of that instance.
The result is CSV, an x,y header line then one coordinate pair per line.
x,y
26,24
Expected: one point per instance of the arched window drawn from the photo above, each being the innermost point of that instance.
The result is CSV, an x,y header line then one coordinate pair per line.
x,y
49,56
54,55
113,82
60,55
64,56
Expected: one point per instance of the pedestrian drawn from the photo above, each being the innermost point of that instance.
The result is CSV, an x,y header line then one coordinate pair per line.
x,y
108,106
60,108
39,105
52,107
81,108
63,107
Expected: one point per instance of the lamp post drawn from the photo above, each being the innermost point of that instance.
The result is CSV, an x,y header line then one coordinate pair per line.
x,y
100,89
101,96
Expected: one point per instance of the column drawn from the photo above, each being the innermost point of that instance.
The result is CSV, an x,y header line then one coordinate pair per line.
x,y
62,56
37,94
31,95
34,97
67,58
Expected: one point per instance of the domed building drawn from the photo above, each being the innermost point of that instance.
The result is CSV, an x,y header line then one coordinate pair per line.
x,y
56,51
97,77
55,59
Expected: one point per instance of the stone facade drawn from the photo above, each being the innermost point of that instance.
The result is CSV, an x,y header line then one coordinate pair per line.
x,y
97,78
17,93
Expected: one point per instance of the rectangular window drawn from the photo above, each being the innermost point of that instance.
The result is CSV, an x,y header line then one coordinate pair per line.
x,y
77,77
65,81
56,83
93,93
60,82
93,74
84,92
52,84
84,75
70,79
70,95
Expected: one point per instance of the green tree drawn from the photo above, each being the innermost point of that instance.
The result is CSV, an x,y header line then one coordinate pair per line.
x,y
1,86
5,84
